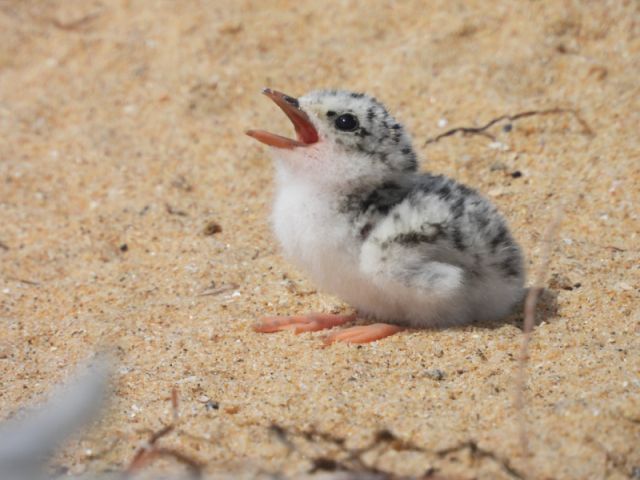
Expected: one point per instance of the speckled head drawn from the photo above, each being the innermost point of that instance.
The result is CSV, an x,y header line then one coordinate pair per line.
x,y
345,126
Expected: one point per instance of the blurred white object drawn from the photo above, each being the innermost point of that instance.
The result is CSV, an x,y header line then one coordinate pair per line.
x,y
27,441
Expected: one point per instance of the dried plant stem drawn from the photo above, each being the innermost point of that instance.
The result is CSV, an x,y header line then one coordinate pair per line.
x,y
148,452
586,129
530,303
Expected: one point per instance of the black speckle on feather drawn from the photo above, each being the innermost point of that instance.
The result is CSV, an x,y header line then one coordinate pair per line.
x,y
500,238
458,239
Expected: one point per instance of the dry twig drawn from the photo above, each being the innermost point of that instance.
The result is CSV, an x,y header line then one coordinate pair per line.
x,y
529,321
476,452
24,280
173,211
383,441
586,130
150,451
76,24
219,290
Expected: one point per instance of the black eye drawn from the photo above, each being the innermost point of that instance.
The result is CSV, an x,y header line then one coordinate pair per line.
x,y
347,122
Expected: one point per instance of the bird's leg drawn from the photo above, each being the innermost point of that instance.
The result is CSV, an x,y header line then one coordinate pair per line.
x,y
363,333
311,322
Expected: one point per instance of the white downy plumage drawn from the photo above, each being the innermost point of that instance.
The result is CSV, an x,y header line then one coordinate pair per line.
x,y
400,246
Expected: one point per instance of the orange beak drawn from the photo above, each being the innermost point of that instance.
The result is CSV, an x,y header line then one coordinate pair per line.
x,y
305,131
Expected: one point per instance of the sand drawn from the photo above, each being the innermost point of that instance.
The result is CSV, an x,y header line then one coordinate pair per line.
x,y
122,146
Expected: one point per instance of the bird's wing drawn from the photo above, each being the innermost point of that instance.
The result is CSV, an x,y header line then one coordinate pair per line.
x,y
434,234
413,261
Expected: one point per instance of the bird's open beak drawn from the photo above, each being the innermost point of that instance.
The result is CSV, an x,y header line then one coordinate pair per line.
x,y
305,131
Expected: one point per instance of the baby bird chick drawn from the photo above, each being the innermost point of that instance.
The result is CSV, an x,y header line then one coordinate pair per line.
x,y
412,249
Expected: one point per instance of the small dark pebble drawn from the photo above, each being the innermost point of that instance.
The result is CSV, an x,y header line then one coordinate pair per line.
x,y
516,174
173,211
559,281
181,183
507,128
212,228
323,464
124,247
435,374
211,405
385,436
577,285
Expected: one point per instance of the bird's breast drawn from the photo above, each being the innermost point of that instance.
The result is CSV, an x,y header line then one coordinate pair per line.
x,y
316,237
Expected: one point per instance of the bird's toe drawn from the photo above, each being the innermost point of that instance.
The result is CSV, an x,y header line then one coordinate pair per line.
x,y
311,322
363,333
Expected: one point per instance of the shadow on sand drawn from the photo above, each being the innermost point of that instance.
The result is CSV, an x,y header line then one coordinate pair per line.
x,y
546,310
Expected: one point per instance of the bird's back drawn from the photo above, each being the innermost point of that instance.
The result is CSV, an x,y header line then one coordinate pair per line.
x,y
428,227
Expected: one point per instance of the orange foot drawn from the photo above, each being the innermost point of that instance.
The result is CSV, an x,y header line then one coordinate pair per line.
x,y
311,322
363,333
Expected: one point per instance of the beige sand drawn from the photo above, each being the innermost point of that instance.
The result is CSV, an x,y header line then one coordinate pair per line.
x,y
121,124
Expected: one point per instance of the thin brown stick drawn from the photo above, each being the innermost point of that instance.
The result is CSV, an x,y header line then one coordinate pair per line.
x,y
219,290
174,405
146,454
143,455
163,432
173,211
25,281
586,129
477,452
357,460
76,24
530,303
